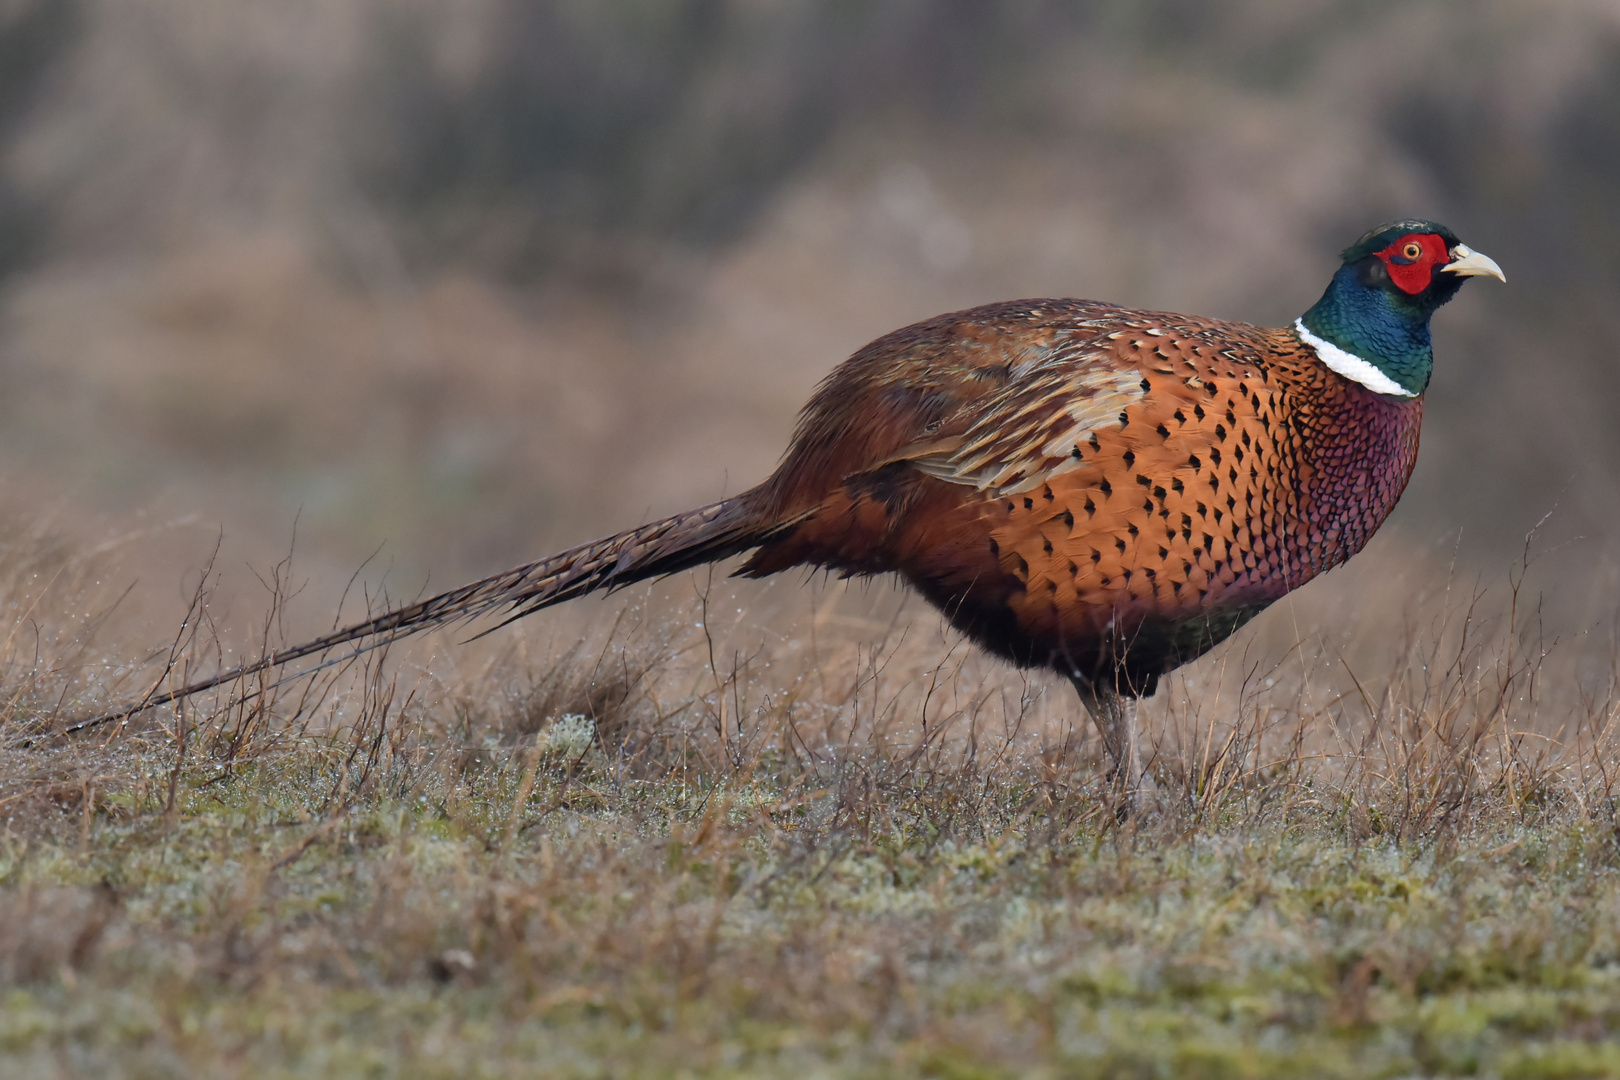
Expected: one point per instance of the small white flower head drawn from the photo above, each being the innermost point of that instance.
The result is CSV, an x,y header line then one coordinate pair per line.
x,y
570,735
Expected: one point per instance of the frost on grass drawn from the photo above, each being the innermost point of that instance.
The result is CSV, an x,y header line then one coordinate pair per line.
x,y
711,849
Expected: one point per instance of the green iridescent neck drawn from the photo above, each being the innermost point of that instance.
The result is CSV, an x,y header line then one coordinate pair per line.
x,y
1389,331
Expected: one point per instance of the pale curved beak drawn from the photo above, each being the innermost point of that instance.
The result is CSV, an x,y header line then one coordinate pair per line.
x,y
1470,263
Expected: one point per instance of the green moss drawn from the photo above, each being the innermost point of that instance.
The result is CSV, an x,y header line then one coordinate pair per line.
x,y
650,928
1563,1061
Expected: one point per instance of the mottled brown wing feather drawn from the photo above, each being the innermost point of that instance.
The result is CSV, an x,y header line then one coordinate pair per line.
x,y
926,391
1034,429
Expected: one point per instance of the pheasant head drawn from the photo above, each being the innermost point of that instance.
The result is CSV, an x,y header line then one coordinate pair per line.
x,y
1372,323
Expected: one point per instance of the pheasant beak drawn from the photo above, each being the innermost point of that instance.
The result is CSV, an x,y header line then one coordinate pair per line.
x,y
1470,263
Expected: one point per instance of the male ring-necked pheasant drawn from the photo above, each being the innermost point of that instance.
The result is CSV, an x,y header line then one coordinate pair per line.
x,y
1104,492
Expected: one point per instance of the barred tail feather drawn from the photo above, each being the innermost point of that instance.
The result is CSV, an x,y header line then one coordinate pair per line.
x,y
707,534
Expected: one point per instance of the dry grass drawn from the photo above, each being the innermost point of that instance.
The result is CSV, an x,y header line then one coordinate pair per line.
x,y
685,844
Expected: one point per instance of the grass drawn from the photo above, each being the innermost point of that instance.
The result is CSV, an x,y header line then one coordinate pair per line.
x,y
684,846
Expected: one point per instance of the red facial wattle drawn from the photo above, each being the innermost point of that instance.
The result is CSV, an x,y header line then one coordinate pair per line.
x,y
1412,275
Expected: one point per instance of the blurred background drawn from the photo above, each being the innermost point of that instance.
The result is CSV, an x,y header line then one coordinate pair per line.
x,y
469,280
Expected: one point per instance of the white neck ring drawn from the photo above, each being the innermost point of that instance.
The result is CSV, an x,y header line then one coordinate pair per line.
x,y
1350,365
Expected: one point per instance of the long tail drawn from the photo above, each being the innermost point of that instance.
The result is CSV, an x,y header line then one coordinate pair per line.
x,y
707,534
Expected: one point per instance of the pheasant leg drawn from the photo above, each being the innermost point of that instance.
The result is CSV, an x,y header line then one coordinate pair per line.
x,y
1115,717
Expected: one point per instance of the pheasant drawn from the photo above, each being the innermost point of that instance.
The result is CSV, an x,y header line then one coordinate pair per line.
x,y
1104,492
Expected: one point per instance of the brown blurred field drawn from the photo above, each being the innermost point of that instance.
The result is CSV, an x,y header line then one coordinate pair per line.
x,y
415,291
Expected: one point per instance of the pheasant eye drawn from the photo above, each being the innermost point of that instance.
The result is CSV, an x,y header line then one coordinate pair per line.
x,y
1413,251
